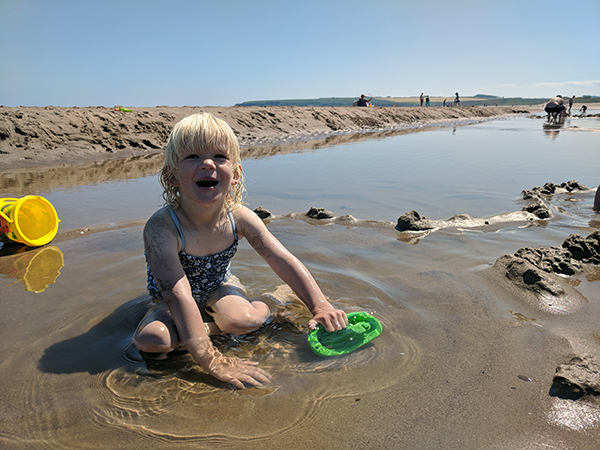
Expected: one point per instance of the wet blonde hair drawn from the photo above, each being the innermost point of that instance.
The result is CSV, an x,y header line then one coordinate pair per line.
x,y
201,131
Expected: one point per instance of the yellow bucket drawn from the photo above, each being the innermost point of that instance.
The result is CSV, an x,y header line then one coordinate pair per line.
x,y
30,220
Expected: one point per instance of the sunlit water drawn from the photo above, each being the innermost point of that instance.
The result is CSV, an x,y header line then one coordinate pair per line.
x,y
442,375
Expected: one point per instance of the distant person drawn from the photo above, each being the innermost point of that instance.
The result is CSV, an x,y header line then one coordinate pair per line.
x,y
555,106
457,100
597,200
421,98
583,109
571,100
362,101
444,104
427,101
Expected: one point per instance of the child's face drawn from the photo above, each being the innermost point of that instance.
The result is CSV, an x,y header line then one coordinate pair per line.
x,y
205,176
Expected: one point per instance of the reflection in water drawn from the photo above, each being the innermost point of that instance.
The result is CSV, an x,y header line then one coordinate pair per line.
x,y
577,416
35,269
551,130
41,179
37,180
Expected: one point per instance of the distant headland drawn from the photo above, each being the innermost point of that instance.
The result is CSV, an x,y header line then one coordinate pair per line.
x,y
476,100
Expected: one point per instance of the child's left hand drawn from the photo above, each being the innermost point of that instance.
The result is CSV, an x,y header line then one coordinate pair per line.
x,y
331,319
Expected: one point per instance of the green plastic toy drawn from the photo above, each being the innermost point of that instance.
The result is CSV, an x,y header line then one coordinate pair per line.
x,y
362,328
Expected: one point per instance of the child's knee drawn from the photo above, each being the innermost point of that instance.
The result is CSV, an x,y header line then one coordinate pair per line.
x,y
154,338
239,316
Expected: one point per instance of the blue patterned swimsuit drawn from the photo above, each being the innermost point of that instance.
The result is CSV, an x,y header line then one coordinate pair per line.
x,y
204,273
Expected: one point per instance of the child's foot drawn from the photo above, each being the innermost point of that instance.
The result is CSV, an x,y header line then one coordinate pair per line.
x,y
283,314
162,357
147,356
212,329
283,295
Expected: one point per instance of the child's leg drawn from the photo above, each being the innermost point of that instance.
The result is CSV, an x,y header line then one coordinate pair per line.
x,y
233,312
156,333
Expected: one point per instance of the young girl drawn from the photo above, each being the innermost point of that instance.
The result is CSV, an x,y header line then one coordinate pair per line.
x,y
189,245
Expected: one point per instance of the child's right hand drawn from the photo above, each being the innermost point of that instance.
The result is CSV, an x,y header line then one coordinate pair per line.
x,y
233,370
332,319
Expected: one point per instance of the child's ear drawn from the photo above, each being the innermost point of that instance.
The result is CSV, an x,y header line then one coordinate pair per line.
x,y
170,178
236,175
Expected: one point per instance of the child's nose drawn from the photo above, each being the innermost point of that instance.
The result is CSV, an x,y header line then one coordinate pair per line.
x,y
208,163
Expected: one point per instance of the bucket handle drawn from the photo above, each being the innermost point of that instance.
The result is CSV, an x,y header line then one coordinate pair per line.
x,y
8,219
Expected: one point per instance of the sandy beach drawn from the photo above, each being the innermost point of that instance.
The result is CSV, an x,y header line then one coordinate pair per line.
x,y
33,136
482,313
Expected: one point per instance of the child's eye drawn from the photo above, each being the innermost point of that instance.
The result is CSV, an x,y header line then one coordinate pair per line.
x,y
191,156
220,156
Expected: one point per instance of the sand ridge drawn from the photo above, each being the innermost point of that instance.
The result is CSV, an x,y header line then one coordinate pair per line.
x,y
49,135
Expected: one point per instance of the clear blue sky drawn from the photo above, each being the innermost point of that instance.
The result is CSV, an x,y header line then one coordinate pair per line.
x,y
196,52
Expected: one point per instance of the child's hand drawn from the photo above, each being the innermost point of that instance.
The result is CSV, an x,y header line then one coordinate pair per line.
x,y
234,370
331,319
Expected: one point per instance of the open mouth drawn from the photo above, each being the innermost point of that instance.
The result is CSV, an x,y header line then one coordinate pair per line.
x,y
207,183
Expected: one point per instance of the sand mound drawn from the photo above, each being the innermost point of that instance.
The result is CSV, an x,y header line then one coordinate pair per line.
x,y
544,271
43,135
578,378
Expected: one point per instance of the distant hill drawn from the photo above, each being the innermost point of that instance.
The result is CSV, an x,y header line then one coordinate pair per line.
x,y
477,100
331,101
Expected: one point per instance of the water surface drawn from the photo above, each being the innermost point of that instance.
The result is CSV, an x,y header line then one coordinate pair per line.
x,y
444,374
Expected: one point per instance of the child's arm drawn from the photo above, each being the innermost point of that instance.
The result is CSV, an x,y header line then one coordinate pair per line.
x,y
162,247
290,270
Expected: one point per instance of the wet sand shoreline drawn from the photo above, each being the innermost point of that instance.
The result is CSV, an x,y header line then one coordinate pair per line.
x,y
33,136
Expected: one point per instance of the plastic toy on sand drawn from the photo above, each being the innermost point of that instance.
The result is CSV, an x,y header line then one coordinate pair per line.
x,y
30,220
362,328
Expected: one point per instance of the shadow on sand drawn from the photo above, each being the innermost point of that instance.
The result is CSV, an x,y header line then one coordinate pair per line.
x,y
104,347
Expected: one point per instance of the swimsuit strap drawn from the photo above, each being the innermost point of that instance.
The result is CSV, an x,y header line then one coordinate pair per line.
x,y
176,222
233,226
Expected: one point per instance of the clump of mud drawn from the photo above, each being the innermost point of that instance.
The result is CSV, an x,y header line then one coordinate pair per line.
x,y
578,379
413,221
319,213
263,213
537,208
321,216
544,271
551,188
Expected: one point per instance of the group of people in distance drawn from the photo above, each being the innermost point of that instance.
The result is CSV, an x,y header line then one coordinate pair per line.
x,y
364,101
556,108
456,100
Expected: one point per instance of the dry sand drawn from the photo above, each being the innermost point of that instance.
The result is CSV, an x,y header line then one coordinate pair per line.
x,y
33,136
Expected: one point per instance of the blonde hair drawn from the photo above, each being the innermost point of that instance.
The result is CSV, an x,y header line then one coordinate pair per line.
x,y
201,131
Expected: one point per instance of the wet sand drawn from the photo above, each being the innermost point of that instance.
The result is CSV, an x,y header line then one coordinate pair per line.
x,y
465,361
33,136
